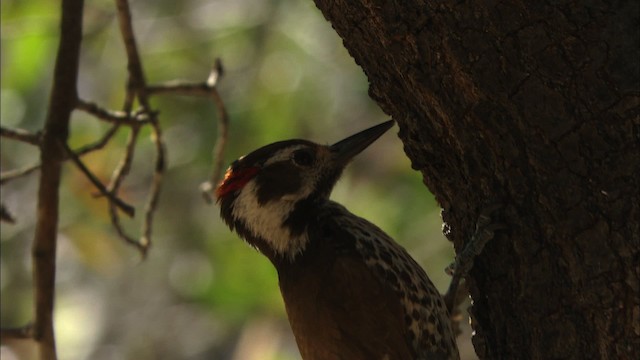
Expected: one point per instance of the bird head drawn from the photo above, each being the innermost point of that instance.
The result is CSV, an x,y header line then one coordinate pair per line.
x,y
269,195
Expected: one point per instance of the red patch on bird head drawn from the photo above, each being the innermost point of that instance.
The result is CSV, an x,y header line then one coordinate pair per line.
x,y
235,179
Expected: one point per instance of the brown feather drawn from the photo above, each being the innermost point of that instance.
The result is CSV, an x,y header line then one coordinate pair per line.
x,y
339,309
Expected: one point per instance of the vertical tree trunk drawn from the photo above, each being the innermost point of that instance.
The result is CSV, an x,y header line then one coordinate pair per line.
x,y
535,105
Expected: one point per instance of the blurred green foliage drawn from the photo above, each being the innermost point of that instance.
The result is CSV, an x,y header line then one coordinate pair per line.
x,y
202,293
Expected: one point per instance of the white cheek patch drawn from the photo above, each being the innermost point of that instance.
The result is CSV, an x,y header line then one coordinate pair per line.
x,y
265,221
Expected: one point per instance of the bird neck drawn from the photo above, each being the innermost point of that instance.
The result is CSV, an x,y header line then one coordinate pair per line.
x,y
278,229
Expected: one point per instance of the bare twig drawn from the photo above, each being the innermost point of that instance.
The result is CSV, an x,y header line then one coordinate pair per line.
x,y
156,185
207,88
116,180
221,141
126,208
98,144
137,85
21,135
56,129
9,175
125,163
24,332
180,87
114,117
134,66
216,73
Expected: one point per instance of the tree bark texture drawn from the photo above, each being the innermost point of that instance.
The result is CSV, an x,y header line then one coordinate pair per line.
x,y
534,105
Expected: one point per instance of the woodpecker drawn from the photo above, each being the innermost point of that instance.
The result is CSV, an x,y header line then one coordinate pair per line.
x,y
350,291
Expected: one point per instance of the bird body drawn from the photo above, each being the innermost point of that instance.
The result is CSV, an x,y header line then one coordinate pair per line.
x,y
350,291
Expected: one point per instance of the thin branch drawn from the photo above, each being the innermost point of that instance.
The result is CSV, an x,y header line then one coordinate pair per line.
x,y
180,87
156,185
114,117
9,175
24,332
56,130
117,178
216,73
21,135
133,81
104,140
223,134
137,84
134,65
126,208
208,187
125,163
207,88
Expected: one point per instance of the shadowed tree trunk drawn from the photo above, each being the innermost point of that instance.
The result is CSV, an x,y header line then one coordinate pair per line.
x,y
534,105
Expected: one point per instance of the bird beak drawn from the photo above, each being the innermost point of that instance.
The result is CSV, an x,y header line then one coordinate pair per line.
x,y
345,150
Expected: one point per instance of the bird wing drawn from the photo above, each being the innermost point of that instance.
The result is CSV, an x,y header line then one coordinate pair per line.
x,y
346,313
426,319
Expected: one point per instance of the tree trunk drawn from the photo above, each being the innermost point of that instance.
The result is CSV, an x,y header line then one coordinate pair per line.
x,y
534,105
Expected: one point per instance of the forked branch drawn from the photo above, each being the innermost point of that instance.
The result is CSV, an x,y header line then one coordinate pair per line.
x,y
207,88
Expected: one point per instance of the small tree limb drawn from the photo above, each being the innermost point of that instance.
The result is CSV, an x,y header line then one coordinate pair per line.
x,y
126,208
114,117
207,88
21,135
56,129
137,88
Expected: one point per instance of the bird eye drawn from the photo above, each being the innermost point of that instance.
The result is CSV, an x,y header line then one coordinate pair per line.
x,y
303,157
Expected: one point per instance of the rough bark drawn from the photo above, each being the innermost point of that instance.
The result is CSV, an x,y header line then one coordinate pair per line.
x,y
536,105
